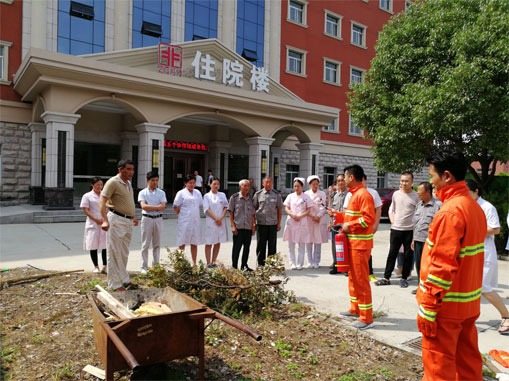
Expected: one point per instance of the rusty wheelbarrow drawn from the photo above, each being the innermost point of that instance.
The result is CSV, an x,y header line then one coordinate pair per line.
x,y
147,340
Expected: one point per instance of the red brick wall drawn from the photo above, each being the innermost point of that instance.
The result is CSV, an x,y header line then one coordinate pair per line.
x,y
11,16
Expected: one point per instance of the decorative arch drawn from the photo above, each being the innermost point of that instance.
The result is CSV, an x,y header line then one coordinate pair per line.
x,y
38,109
286,130
134,110
234,121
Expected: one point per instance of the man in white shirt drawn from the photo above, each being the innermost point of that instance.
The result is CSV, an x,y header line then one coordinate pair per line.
x,y
153,202
490,268
403,204
199,181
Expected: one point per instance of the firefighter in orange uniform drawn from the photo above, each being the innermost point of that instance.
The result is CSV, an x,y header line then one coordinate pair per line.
x,y
451,276
359,218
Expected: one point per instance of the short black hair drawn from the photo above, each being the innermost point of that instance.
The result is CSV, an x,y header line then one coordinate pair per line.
x,y
364,177
356,171
427,186
448,159
473,186
124,162
210,170
408,173
152,174
188,178
96,179
214,178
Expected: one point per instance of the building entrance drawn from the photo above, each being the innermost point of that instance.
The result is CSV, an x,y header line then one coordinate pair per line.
x,y
176,167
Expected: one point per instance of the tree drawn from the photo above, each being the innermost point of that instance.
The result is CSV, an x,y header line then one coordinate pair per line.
x,y
439,77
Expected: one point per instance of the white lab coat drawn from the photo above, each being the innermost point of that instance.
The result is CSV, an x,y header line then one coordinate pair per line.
x,y
188,224
216,203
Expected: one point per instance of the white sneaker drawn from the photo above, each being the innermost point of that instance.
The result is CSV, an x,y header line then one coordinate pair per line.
x,y
96,271
315,266
310,266
293,267
143,271
299,267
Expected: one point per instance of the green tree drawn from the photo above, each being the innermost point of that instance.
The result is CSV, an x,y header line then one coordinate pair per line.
x,y
439,77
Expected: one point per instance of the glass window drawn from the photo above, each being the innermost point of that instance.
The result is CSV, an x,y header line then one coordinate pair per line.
x,y
380,180
292,171
331,72
201,20
2,63
151,22
386,5
332,25
294,62
250,30
355,76
357,35
329,177
331,126
80,26
296,12
408,3
353,129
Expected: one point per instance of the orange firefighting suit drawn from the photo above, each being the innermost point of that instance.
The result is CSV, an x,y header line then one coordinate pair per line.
x,y
360,216
450,288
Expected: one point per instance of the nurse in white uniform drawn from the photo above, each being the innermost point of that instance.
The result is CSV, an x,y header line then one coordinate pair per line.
x,y
187,205
317,221
215,206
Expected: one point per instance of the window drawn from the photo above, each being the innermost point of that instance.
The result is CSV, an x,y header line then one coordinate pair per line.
x,y
353,129
358,35
151,22
386,5
408,3
80,27
381,179
355,75
331,127
296,61
331,71
329,177
292,171
4,62
297,12
332,24
250,30
201,19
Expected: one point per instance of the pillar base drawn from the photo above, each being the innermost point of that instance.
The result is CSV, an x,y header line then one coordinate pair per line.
x,y
58,199
36,195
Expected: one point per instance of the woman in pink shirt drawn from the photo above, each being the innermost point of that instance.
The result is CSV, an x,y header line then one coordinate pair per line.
x,y
317,221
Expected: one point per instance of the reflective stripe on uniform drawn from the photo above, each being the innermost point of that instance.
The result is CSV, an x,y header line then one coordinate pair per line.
x,y
353,299
462,297
363,224
360,237
421,286
354,213
365,306
428,315
468,251
439,282
430,244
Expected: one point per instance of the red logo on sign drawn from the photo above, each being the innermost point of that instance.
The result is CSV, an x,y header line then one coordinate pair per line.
x,y
170,59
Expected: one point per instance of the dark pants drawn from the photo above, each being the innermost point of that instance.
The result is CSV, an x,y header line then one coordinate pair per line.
x,y
334,230
397,239
243,238
370,265
418,246
93,255
266,234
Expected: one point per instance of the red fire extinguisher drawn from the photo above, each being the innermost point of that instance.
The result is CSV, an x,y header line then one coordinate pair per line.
x,y
342,257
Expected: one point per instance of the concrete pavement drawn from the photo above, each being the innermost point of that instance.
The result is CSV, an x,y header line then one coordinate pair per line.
x,y
58,246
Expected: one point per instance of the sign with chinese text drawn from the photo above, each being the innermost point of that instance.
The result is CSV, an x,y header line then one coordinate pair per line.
x,y
186,145
170,59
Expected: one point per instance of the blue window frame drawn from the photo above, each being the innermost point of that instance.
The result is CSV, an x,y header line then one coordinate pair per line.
x,y
80,26
201,19
151,22
250,30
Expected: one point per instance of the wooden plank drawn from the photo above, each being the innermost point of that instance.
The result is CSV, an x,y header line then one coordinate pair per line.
x,y
94,371
113,304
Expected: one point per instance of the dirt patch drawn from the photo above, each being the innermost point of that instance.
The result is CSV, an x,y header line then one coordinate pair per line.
x,y
46,333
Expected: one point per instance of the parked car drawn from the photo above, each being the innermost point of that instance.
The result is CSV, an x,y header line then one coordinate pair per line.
x,y
386,197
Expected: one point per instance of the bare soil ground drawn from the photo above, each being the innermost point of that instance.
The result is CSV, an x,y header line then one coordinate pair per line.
x,y
46,334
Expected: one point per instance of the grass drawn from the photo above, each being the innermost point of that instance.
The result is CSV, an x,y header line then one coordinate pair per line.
x,y
89,286
63,373
38,339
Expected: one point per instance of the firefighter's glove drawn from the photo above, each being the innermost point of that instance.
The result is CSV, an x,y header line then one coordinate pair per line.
x,y
426,317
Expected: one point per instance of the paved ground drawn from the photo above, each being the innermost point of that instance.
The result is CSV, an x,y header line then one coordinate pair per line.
x,y
58,246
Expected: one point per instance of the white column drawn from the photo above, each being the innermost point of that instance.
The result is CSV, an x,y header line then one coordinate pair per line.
x,y
128,140
55,122
38,131
227,23
257,144
216,148
147,132
309,155
272,43
178,23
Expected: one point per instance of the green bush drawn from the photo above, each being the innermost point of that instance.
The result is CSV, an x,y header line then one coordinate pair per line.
x,y
498,195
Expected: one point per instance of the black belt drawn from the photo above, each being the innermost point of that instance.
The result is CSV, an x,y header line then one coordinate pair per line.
x,y
121,215
150,216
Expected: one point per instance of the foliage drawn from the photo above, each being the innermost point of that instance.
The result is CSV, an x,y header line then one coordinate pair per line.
x,y
439,77
226,290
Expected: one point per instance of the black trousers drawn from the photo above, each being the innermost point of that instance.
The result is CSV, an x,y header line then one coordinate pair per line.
x,y
397,239
93,255
418,247
333,231
266,234
243,238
